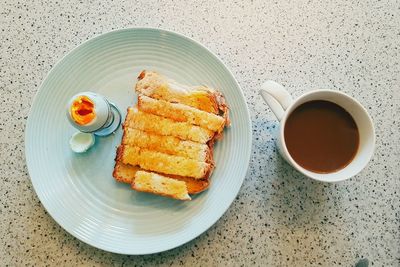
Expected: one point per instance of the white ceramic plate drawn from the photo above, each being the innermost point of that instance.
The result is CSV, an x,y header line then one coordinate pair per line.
x,y
78,190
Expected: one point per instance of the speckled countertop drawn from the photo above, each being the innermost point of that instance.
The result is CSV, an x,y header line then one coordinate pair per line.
x,y
279,218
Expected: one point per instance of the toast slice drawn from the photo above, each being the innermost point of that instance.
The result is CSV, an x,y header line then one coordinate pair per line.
x,y
167,144
155,124
181,113
163,163
125,173
157,184
156,86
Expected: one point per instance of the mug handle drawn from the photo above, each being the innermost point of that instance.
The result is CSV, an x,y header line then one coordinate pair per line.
x,y
277,97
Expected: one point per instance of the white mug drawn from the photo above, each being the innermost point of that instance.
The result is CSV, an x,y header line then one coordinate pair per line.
x,y
282,105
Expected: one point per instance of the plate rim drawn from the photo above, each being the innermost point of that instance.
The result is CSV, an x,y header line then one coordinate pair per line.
x,y
29,122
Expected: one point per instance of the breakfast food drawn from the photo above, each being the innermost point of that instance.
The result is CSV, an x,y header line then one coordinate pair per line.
x,y
181,113
168,139
156,86
164,126
82,110
92,113
153,183
125,173
163,163
166,144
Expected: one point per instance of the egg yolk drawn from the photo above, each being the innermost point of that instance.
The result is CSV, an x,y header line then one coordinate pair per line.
x,y
82,110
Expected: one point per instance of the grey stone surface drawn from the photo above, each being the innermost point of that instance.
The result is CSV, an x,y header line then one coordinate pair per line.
x,y
279,218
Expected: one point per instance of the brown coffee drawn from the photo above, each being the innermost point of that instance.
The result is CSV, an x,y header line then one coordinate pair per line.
x,y
321,136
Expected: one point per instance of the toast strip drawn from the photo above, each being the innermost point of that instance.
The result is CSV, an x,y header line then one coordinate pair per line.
x,y
157,86
181,113
157,184
166,144
163,126
163,163
125,173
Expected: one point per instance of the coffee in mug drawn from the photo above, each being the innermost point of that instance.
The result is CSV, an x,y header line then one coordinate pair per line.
x,y
321,136
324,134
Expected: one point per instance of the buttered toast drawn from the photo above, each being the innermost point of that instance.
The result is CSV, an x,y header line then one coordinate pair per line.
x,y
167,144
168,139
181,113
163,163
148,122
156,86
125,173
160,185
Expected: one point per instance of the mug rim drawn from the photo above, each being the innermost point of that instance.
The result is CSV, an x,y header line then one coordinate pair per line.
x,y
303,170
